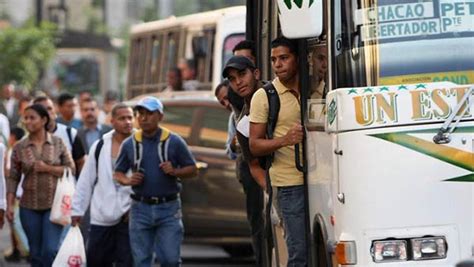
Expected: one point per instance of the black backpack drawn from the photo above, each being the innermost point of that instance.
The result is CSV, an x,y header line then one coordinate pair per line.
x,y
266,161
273,111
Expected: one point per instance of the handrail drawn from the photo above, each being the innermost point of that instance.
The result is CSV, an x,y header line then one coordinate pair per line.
x,y
443,135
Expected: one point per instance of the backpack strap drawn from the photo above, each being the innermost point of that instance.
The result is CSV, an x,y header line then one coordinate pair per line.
x,y
163,145
69,136
273,111
273,108
98,148
138,149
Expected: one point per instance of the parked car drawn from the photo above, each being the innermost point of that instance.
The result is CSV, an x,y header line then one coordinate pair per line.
x,y
213,202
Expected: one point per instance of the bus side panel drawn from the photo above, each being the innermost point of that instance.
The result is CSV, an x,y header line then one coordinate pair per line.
x,y
321,179
396,185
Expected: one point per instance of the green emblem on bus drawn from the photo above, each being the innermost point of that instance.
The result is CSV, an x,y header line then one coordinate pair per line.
x,y
332,111
352,91
298,3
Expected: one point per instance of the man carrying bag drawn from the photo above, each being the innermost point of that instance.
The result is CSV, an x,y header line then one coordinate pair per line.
x,y
109,238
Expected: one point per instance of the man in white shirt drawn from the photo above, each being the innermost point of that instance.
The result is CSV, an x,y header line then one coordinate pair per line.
x,y
4,129
108,237
9,105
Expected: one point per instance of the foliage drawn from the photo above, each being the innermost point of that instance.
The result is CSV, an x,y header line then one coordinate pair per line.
x,y
95,20
97,3
186,7
123,54
25,52
150,14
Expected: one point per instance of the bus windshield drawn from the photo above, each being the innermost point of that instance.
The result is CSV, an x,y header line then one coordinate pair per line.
x,y
389,42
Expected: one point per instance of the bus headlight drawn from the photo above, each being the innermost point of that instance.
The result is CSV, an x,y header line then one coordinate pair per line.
x,y
429,248
389,250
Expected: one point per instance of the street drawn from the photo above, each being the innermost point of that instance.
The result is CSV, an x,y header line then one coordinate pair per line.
x,y
193,255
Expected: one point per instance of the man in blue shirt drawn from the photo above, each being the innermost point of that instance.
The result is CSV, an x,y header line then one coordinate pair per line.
x,y
91,129
66,104
152,161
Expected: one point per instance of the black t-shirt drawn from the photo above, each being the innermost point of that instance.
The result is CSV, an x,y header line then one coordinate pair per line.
x,y
71,140
78,150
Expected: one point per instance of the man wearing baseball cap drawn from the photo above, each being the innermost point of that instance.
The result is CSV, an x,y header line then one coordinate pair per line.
x,y
244,79
155,214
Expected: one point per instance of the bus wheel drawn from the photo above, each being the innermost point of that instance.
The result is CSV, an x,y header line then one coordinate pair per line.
x,y
321,252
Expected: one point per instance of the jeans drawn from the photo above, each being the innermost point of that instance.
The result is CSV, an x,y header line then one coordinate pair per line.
x,y
157,228
43,236
254,201
108,245
291,204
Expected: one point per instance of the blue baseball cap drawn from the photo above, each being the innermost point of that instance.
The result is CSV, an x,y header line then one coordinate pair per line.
x,y
150,103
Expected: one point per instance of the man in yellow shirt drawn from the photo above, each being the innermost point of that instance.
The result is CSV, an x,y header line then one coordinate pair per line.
x,y
288,132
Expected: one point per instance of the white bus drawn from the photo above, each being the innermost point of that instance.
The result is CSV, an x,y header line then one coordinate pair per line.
x,y
207,38
388,155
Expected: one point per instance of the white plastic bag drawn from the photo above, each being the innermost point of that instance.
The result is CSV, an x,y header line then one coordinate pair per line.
x,y
62,203
72,252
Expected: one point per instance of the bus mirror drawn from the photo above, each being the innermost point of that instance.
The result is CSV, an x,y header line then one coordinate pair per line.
x,y
199,45
301,18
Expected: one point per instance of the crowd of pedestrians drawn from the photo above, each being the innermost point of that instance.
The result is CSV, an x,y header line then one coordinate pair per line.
x,y
120,191
41,138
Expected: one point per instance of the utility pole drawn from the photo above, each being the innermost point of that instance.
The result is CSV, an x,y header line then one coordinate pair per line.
x,y
104,12
39,12
165,8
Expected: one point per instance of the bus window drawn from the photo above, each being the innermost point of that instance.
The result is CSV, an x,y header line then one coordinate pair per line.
x,y
200,44
207,73
171,55
155,59
229,44
318,83
318,67
376,45
136,61
141,60
202,47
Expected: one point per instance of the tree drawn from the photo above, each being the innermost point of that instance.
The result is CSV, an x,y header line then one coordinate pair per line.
x,y
25,52
184,7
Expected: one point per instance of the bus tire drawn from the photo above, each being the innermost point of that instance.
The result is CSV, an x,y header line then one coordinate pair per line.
x,y
321,255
